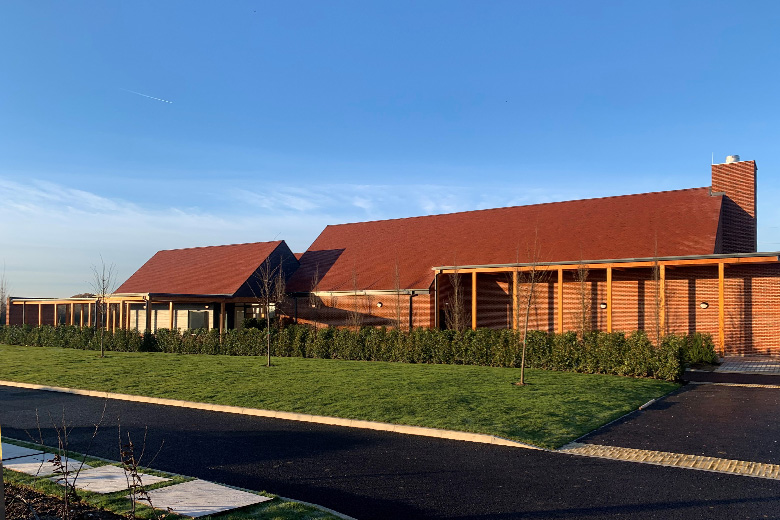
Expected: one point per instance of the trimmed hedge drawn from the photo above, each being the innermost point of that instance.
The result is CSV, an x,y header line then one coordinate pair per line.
x,y
597,353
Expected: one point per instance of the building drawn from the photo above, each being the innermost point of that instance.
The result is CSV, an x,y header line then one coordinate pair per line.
x,y
664,262
674,261
202,287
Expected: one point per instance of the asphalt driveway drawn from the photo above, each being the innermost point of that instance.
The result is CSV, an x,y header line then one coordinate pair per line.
x,y
730,422
369,474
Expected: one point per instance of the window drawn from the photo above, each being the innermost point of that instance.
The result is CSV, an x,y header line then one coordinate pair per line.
x,y
198,319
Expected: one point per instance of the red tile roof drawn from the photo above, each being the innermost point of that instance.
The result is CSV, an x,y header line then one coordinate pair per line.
x,y
199,270
364,255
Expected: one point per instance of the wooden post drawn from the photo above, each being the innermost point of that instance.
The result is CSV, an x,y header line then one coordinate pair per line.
x,y
113,317
411,311
72,320
121,314
609,299
515,292
436,311
170,315
721,308
148,314
662,303
222,318
40,314
23,317
89,314
560,300
474,300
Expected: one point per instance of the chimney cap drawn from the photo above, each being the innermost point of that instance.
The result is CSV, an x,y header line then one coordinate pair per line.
x,y
732,158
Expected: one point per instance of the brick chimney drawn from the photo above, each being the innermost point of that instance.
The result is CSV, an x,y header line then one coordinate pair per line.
x,y
736,180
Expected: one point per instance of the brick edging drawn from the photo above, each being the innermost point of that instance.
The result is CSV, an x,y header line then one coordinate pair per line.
x,y
288,416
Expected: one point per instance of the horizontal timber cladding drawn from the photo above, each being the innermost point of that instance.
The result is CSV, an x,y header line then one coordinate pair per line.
x,y
682,299
161,315
349,310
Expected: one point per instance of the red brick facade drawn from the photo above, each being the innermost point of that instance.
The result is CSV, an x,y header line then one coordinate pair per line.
x,y
738,230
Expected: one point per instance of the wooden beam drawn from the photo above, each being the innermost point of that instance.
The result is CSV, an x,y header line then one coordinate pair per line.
x,y
170,315
609,299
474,300
721,309
560,301
619,265
515,293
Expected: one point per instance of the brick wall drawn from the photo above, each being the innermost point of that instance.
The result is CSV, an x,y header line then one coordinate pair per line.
x,y
348,310
738,229
751,293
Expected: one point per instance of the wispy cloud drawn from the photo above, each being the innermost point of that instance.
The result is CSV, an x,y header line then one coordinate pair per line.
x,y
51,233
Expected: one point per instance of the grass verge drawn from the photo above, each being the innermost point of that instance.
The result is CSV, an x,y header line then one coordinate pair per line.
x,y
552,409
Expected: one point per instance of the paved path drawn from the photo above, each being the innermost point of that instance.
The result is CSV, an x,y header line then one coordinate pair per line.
x,y
750,365
383,475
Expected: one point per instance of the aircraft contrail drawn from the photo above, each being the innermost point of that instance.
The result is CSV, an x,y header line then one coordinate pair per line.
x,y
144,95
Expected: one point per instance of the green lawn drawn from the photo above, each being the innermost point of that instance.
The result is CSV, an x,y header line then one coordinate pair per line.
x,y
551,410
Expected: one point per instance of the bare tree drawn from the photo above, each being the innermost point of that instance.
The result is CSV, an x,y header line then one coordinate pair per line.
x,y
3,297
103,284
658,300
314,300
354,316
2,484
584,310
266,278
280,292
455,306
397,289
658,326
528,280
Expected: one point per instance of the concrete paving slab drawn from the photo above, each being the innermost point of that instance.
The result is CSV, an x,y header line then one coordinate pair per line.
x,y
40,465
12,451
108,479
200,498
750,365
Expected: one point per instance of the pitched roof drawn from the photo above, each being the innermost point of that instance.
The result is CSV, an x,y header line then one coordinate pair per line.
x,y
199,270
364,255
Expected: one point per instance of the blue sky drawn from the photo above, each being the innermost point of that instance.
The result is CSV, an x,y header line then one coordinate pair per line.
x,y
282,117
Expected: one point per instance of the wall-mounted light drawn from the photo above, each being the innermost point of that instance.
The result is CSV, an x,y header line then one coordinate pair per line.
x,y
704,305
379,304
603,305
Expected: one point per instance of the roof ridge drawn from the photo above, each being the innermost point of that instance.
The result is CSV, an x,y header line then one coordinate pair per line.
x,y
277,242
520,206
